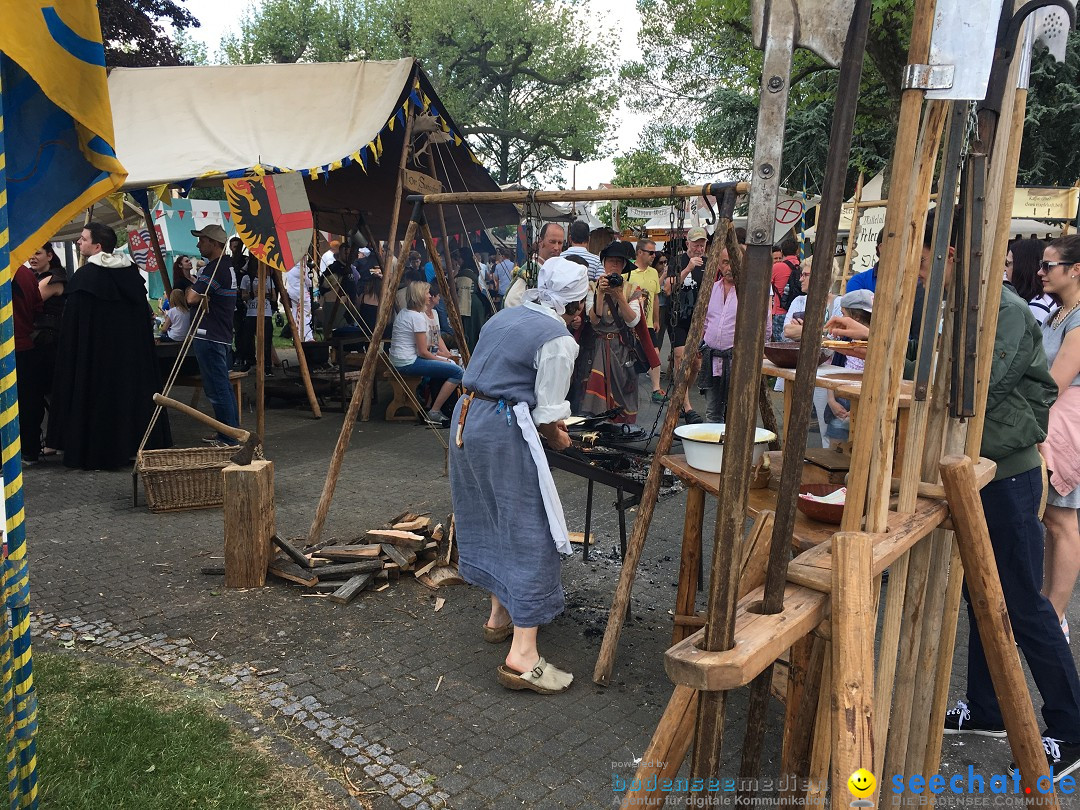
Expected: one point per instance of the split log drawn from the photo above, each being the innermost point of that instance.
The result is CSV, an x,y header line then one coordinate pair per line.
x,y
347,592
440,576
297,556
406,539
352,552
403,559
291,572
419,524
345,570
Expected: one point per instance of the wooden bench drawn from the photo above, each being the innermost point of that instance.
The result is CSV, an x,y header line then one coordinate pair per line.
x,y
404,389
235,380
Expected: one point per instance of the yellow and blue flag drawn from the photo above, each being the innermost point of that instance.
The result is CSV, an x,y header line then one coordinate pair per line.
x,y
57,157
58,129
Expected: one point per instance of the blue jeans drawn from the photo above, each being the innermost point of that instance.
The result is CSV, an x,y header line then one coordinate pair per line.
x,y
215,359
432,369
1011,506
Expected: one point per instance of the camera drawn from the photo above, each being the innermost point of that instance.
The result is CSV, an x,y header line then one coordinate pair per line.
x,y
614,280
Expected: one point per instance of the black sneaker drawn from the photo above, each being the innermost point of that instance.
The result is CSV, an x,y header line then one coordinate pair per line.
x,y
437,418
958,721
692,417
1062,757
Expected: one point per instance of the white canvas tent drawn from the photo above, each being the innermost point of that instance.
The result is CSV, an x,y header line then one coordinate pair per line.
x,y
180,125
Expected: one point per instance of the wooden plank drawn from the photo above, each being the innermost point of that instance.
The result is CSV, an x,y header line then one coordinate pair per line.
x,y
813,568
690,560
762,639
291,572
403,559
345,570
404,539
347,592
421,571
350,552
853,620
295,554
415,525
667,750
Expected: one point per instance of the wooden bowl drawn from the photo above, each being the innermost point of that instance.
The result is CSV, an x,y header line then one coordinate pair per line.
x,y
785,354
823,512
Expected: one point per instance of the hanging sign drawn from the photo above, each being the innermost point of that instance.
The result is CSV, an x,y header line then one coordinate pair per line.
x,y
1045,203
420,183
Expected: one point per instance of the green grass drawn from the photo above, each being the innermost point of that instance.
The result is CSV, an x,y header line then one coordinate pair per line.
x,y
111,737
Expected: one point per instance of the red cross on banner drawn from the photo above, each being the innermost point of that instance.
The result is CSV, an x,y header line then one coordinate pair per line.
x,y
272,217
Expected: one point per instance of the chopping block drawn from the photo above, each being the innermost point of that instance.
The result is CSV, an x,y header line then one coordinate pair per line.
x,y
248,503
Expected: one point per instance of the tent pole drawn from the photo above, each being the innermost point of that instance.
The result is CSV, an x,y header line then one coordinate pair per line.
x,y
152,231
367,375
853,233
442,216
395,212
260,356
297,342
449,294
578,195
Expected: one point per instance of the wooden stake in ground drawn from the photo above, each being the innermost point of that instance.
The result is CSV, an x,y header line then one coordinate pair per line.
x,y
298,343
367,376
992,619
260,356
448,293
619,603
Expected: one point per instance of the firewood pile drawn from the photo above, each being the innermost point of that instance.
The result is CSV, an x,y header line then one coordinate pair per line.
x,y
343,569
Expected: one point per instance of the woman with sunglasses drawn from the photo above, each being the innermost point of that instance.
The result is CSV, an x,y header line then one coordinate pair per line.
x,y
1022,271
1060,274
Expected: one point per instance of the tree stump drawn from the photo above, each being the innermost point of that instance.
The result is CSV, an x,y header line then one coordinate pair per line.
x,y
249,523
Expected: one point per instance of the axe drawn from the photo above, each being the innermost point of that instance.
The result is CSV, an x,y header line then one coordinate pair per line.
x,y
249,442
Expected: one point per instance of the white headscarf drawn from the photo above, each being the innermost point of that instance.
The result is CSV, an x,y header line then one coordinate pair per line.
x,y
559,283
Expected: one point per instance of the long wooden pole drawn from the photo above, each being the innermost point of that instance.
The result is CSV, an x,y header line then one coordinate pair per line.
x,y
260,355
367,375
619,603
156,245
298,344
853,234
442,216
448,294
578,195
395,212
992,619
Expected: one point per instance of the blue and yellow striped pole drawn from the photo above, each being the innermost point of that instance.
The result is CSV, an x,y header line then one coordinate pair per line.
x,y
16,669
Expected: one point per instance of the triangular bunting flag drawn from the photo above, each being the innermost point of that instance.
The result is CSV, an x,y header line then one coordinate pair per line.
x,y
227,215
116,200
161,194
390,123
159,214
170,214
181,213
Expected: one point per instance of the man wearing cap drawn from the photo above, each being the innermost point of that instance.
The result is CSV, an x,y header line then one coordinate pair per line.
x,y
213,336
683,291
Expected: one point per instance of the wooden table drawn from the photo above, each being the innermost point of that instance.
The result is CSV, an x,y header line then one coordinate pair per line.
x,y
847,383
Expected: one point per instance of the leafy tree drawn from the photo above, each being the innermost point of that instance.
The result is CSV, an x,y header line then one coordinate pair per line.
x,y
641,167
135,35
700,64
523,79
1048,154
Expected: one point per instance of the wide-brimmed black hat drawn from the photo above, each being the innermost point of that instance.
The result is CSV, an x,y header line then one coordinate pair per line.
x,y
619,250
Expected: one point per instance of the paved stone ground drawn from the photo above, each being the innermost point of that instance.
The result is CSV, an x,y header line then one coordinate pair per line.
x,y
363,681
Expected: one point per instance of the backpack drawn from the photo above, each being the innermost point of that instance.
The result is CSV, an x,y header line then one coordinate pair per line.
x,y
793,288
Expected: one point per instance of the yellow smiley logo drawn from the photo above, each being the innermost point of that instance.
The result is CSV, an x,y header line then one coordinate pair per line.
x,y
861,783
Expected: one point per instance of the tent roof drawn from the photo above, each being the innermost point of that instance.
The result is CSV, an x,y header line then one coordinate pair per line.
x,y
177,125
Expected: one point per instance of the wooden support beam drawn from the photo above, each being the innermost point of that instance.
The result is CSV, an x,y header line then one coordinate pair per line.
x,y
367,375
853,621
992,619
298,341
580,195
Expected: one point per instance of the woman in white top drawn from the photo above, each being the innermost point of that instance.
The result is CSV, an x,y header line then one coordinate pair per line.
x,y
417,347
177,319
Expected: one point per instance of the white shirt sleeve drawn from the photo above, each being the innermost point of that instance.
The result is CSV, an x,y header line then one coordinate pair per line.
x,y
636,306
554,367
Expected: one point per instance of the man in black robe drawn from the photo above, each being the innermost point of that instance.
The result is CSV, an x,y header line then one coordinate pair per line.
x,y
106,369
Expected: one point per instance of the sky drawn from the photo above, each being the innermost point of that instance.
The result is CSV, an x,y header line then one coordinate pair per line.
x,y
216,17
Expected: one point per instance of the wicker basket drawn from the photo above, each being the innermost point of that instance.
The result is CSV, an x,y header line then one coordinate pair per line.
x,y
184,478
